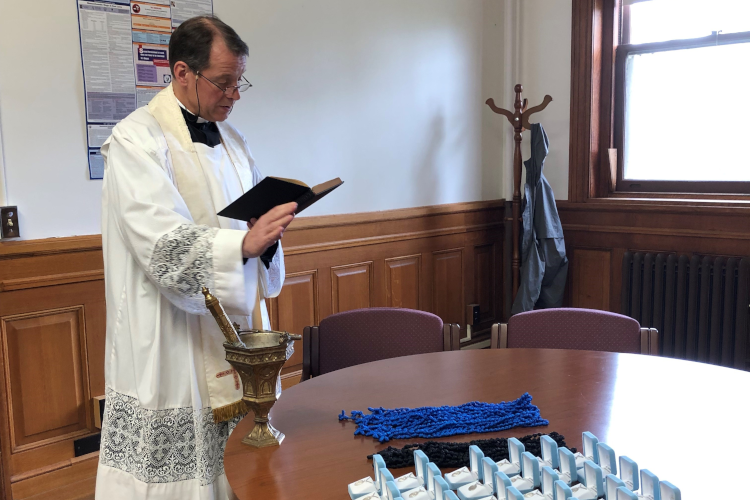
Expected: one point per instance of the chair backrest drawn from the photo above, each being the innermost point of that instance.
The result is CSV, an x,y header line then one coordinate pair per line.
x,y
363,335
581,329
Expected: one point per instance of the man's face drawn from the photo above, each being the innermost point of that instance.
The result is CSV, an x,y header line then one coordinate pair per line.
x,y
224,70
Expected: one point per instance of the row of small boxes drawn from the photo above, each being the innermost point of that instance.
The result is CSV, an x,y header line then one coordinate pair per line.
x,y
557,475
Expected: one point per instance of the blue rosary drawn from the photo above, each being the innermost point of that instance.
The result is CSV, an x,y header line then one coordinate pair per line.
x,y
439,421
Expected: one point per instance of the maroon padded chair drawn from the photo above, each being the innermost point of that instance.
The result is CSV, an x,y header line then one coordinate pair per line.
x,y
363,335
571,328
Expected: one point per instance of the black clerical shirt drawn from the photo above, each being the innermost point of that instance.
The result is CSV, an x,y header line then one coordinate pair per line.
x,y
207,133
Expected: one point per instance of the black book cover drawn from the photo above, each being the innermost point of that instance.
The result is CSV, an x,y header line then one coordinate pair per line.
x,y
271,192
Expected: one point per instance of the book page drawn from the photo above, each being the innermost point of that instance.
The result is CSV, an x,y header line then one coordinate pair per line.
x,y
326,185
292,181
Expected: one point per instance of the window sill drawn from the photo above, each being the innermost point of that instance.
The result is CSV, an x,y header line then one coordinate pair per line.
x,y
663,203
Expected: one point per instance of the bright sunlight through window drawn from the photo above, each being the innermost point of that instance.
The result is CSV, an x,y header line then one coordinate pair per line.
x,y
687,110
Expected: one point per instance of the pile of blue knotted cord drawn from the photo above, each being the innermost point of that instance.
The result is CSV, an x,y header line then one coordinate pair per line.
x,y
438,421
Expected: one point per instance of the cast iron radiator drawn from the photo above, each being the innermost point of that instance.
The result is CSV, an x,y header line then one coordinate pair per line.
x,y
700,305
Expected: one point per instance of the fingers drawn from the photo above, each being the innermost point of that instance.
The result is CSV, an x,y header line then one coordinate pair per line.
x,y
272,220
280,211
285,221
251,223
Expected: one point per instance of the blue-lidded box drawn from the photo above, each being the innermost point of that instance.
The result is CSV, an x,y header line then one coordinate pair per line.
x,y
529,478
368,485
649,485
550,456
481,488
420,465
391,491
562,490
590,451
466,475
362,487
513,494
607,459
594,486
440,488
568,469
502,483
549,476
668,491
629,473
623,493
511,466
611,483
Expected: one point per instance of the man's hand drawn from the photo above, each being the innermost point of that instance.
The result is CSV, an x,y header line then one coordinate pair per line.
x,y
267,230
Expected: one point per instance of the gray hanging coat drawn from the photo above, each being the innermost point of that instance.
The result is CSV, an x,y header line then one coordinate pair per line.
x,y
544,266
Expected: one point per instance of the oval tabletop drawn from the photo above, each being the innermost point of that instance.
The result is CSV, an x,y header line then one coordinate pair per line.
x,y
684,421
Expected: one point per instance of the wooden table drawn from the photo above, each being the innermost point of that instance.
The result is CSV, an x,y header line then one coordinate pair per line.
x,y
672,417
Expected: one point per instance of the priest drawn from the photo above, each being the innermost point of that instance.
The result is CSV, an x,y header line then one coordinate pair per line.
x,y
171,398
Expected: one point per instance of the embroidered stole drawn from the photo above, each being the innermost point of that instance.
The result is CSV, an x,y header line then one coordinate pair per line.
x,y
225,391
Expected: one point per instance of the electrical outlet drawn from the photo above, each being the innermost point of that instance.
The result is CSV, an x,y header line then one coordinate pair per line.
x,y
9,223
473,314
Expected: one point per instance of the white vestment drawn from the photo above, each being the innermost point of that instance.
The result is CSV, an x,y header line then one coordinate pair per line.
x,y
165,373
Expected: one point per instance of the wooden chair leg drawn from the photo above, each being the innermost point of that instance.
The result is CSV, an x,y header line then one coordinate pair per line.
x,y
447,340
494,335
456,337
645,341
306,358
654,341
499,336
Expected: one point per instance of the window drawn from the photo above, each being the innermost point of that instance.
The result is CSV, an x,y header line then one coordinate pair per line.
x,y
682,96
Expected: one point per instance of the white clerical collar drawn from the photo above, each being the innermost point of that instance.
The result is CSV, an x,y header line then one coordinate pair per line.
x,y
200,120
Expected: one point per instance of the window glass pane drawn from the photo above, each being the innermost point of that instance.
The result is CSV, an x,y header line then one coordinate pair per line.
x,y
686,114
661,20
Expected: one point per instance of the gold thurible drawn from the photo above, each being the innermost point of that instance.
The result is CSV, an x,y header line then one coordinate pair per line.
x,y
258,359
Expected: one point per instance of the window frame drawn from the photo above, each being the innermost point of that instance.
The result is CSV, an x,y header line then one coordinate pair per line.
x,y
596,109
657,186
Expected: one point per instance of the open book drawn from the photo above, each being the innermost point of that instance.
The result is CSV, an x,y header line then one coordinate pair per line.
x,y
273,191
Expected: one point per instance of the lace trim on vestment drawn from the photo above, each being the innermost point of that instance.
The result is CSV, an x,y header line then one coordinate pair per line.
x,y
182,263
163,446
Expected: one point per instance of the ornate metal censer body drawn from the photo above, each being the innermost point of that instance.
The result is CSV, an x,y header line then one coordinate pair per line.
x,y
257,356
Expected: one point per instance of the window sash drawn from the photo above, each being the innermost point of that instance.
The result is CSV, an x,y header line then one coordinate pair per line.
x,y
646,186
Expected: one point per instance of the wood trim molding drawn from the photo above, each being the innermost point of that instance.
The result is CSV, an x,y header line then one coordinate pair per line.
x,y
585,60
330,221
49,280
388,238
50,246
667,232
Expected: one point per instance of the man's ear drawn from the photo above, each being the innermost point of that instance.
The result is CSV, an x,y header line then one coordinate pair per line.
x,y
182,74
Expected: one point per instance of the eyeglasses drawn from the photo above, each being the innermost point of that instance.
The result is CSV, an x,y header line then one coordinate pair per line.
x,y
228,91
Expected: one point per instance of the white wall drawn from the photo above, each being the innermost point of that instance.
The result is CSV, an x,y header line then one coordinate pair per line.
x,y
44,141
545,69
388,95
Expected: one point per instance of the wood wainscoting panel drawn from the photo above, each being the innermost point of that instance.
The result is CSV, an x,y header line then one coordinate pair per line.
x,y
615,226
52,324
46,375
485,281
590,280
295,308
402,281
351,286
447,285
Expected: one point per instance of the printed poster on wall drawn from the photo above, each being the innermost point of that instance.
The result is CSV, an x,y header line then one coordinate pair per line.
x,y
125,59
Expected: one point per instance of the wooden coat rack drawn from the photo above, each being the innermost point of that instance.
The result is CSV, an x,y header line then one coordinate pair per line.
x,y
520,121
